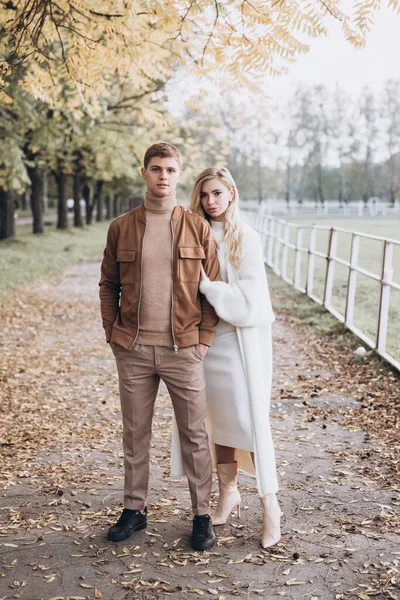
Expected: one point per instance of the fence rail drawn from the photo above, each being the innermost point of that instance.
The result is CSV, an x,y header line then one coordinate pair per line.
x,y
276,235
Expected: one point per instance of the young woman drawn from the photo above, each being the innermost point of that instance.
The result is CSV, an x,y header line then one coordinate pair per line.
x,y
238,365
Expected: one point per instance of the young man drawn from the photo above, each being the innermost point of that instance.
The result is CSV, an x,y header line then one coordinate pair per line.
x,y
159,327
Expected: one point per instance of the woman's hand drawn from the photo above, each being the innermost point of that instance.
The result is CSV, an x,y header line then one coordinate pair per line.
x,y
203,349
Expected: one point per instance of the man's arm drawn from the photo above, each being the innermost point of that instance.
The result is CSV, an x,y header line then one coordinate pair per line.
x,y
209,318
110,286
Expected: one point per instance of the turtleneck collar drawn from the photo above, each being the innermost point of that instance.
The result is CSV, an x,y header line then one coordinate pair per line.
x,y
160,205
216,224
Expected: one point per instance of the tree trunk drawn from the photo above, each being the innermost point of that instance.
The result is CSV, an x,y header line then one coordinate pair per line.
x,y
7,209
340,195
369,177
45,191
37,203
86,193
288,182
287,197
392,176
109,207
116,206
77,192
315,194
343,191
259,183
62,211
321,194
98,200
24,200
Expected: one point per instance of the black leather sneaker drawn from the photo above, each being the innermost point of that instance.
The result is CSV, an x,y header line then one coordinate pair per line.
x,y
129,522
203,536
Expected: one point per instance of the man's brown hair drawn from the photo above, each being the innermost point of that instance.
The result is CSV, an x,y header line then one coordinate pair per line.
x,y
162,150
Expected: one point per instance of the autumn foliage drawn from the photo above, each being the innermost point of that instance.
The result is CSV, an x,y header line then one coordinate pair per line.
x,y
82,83
84,44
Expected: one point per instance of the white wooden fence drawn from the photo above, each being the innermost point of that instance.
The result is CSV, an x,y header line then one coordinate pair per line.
x,y
276,234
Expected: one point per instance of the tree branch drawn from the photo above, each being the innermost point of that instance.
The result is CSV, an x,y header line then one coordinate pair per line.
x,y
330,12
212,30
105,15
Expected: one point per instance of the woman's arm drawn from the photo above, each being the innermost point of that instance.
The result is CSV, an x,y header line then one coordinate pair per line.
x,y
245,303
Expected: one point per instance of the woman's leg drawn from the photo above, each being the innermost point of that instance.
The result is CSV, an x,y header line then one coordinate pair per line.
x,y
225,454
229,496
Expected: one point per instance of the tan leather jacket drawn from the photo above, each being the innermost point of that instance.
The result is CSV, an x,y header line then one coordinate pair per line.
x,y
193,319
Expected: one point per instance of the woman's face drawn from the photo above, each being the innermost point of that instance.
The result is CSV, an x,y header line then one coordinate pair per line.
x,y
215,197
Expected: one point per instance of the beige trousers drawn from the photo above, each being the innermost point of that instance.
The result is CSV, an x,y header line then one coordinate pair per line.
x,y
140,371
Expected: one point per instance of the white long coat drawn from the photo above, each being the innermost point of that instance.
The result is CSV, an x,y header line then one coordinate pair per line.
x,y
245,303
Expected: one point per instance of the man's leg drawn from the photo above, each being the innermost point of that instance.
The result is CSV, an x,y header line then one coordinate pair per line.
x,y
183,375
138,385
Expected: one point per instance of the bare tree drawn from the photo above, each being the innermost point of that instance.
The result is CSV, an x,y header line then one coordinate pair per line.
x,y
390,113
369,138
343,138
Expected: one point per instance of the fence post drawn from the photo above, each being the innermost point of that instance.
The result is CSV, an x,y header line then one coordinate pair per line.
x,y
387,274
352,281
272,227
311,261
330,268
277,247
285,250
297,258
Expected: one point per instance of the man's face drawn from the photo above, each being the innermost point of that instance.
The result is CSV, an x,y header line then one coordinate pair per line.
x,y
162,176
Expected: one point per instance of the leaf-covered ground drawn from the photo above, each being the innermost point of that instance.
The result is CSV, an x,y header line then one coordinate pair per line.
x,y
336,429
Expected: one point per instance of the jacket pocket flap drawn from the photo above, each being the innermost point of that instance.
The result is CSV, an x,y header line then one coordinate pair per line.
x,y
126,255
196,252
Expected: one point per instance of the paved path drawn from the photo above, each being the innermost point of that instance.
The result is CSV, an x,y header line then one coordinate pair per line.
x,y
62,474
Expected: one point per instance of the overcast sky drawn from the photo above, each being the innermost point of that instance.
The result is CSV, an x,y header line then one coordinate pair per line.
x,y
332,60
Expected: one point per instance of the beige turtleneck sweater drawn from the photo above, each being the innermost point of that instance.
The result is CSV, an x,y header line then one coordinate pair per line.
x,y
157,274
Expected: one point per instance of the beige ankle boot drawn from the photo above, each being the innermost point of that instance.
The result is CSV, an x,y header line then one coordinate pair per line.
x,y
272,513
229,496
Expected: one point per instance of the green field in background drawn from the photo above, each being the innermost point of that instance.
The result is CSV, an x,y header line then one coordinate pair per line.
x,y
370,258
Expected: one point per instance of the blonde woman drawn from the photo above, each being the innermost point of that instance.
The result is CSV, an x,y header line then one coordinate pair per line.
x,y
238,365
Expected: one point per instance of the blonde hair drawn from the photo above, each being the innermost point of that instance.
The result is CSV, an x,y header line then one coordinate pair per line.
x,y
232,221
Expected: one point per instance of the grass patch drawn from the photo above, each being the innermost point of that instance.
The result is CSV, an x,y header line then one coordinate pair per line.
x,y
322,325
30,257
368,290
296,304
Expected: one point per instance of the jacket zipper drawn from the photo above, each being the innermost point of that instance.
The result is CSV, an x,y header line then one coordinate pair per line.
x,y
140,290
174,345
